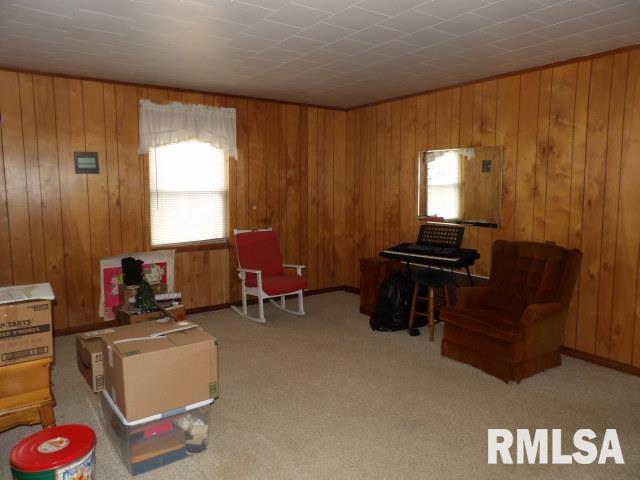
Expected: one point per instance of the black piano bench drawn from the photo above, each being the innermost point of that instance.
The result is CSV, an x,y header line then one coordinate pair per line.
x,y
431,279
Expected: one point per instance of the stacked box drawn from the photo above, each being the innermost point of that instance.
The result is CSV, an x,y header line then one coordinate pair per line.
x,y
25,323
149,443
89,357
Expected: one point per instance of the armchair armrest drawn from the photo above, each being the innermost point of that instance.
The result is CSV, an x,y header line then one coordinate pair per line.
x,y
296,266
542,325
538,312
472,297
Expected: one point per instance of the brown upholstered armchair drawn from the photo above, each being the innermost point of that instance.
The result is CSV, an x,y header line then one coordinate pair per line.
x,y
512,327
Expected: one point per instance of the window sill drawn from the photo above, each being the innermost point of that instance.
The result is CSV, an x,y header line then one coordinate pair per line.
x,y
194,246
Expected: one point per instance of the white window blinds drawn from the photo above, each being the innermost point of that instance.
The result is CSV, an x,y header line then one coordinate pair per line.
x,y
188,186
444,186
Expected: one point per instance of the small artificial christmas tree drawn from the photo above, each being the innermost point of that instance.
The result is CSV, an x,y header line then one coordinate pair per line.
x,y
145,299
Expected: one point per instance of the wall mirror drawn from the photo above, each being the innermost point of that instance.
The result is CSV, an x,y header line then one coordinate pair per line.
x,y
461,185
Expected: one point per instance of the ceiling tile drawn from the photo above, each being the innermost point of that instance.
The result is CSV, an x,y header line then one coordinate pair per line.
x,y
376,35
561,29
392,48
300,44
507,9
411,21
356,18
514,27
323,56
473,39
272,30
388,7
614,14
439,51
563,11
519,41
236,12
250,42
347,45
324,32
333,6
297,15
448,8
366,58
278,54
465,23
426,36
273,4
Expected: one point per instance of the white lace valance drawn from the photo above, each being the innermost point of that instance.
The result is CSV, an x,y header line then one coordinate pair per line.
x,y
179,122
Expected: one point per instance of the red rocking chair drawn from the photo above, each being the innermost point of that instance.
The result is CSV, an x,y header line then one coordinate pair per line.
x,y
261,271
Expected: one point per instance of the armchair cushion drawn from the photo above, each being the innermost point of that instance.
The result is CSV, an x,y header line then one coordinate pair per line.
x,y
499,325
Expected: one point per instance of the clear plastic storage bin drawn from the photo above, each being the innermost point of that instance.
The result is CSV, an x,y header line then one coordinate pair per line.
x,y
158,440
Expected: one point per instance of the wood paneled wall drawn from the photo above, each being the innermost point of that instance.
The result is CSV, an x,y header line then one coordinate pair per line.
x,y
292,174
571,175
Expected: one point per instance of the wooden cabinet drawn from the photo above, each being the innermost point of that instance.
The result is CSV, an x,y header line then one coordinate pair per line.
x,y
25,394
373,271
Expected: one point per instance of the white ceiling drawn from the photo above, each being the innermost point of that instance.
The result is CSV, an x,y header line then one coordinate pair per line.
x,y
328,52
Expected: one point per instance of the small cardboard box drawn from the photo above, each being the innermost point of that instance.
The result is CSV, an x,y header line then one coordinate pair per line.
x,y
25,323
154,367
128,316
126,293
89,356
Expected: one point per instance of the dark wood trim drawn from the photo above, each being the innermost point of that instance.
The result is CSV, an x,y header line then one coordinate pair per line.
x,y
165,87
349,289
604,362
194,246
84,328
499,76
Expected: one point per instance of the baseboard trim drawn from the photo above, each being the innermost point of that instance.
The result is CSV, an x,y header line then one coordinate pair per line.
x,y
603,362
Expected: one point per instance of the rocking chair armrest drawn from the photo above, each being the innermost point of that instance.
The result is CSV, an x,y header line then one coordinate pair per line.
x,y
297,267
249,270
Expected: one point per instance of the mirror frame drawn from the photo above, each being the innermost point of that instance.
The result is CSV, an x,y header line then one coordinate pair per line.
x,y
474,223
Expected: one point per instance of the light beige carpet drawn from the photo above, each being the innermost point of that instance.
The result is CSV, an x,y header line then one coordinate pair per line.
x,y
325,397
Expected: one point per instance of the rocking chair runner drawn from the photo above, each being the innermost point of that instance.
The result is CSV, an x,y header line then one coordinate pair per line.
x,y
261,271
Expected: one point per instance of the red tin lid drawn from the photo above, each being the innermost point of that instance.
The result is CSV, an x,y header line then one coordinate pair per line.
x,y
52,448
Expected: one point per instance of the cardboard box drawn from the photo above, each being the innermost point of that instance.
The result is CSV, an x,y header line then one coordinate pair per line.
x,y
25,323
89,357
128,316
154,367
126,293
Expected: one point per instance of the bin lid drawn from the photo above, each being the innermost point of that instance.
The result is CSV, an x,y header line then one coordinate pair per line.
x,y
52,448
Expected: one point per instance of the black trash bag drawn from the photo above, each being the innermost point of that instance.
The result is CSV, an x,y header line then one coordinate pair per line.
x,y
394,305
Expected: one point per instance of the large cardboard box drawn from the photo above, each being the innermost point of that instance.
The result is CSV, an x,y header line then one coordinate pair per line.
x,y
154,367
89,357
25,323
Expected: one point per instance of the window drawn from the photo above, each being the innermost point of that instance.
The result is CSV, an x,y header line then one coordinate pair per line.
x,y
188,186
444,186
